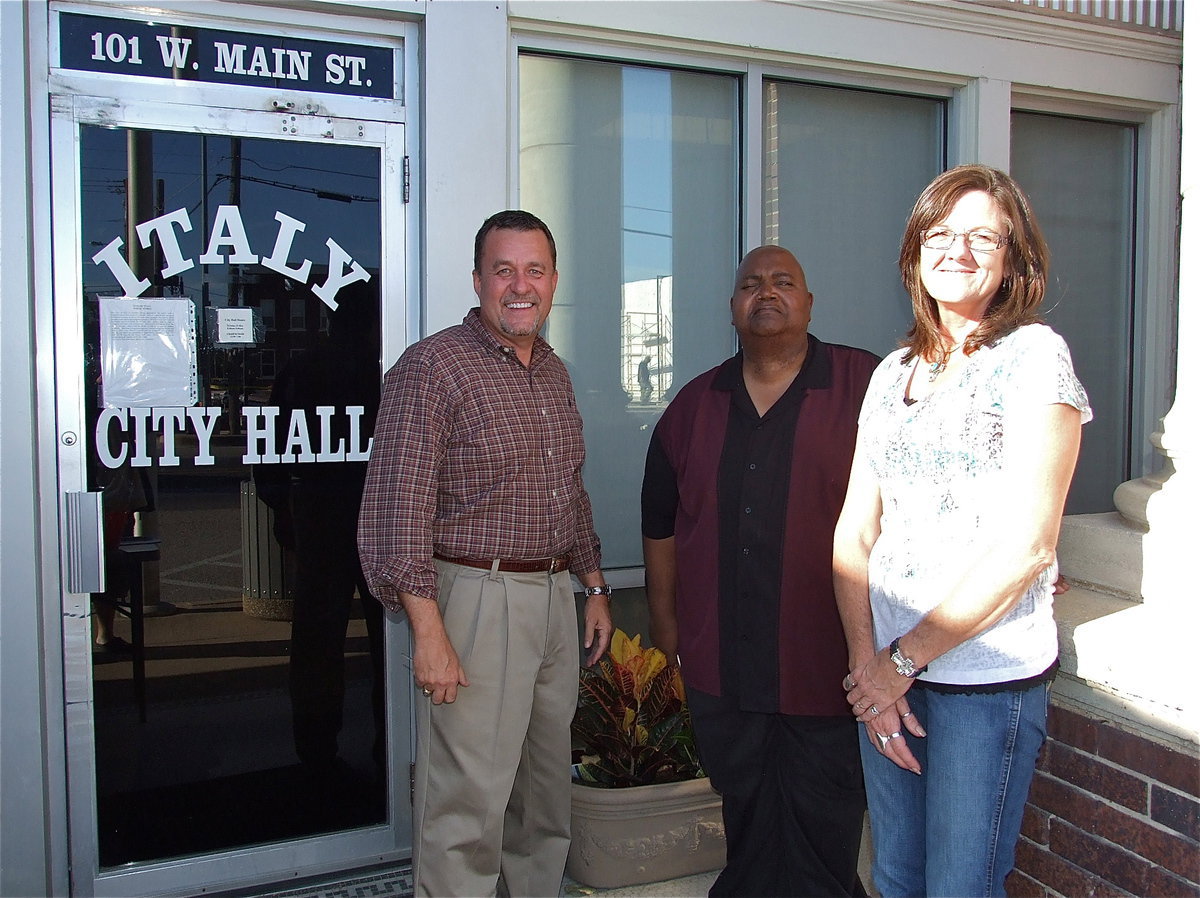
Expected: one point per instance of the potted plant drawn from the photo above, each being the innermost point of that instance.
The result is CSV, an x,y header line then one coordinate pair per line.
x,y
642,807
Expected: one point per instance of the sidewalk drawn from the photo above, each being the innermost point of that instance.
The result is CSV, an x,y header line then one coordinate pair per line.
x,y
688,887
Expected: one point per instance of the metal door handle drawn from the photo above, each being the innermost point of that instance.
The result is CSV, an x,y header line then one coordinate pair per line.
x,y
85,542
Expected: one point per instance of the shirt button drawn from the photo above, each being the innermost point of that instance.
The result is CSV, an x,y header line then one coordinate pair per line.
x,y
753,466
745,551
747,509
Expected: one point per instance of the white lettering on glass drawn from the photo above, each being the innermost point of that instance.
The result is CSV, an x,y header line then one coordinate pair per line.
x,y
336,65
339,275
174,50
298,446
161,227
229,58
138,436
260,435
229,231
131,284
204,422
116,48
169,458
277,261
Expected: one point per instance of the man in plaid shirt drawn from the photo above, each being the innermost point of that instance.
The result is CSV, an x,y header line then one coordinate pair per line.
x,y
473,517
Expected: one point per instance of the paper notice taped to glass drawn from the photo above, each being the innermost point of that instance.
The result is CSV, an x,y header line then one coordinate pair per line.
x,y
148,352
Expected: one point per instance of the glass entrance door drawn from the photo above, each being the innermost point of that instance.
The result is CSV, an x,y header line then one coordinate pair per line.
x,y
220,346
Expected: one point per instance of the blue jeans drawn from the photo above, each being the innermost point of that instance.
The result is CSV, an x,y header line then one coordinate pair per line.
x,y
953,830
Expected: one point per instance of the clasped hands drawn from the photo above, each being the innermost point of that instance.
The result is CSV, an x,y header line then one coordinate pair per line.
x,y
876,694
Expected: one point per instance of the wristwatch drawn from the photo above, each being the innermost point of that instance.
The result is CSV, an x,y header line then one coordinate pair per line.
x,y
906,667
604,590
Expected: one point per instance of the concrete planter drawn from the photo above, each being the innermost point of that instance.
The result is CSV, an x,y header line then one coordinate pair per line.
x,y
641,834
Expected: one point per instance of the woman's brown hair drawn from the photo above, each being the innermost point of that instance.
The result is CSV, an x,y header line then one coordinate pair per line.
x,y
1016,302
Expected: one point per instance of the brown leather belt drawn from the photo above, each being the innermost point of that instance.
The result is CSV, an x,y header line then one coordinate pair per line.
x,y
536,566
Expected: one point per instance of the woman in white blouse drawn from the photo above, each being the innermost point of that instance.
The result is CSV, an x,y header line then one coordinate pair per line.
x,y
944,555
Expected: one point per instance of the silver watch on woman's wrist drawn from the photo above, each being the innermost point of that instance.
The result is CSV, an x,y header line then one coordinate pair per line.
x,y
604,590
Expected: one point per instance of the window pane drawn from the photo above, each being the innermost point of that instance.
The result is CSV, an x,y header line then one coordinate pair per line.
x,y
841,170
1079,175
635,170
234,581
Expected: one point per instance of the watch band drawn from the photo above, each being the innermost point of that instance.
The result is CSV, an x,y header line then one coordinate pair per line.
x,y
905,666
604,590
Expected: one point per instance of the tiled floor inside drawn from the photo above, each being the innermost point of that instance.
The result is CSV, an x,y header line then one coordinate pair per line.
x,y
390,883
398,882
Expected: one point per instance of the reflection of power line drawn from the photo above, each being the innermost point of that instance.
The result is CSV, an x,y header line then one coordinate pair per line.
x,y
315,191
116,186
312,168
647,233
318,192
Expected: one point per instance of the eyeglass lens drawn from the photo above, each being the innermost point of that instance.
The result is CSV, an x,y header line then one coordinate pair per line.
x,y
977,239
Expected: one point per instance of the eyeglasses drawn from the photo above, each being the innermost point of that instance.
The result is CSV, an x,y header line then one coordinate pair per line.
x,y
979,239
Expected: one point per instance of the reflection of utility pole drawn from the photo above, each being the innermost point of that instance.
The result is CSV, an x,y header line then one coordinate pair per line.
x,y
143,202
660,330
238,373
206,353
139,202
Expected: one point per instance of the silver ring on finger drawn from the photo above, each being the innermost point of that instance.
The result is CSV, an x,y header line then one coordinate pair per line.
x,y
427,691
883,740
906,714
874,710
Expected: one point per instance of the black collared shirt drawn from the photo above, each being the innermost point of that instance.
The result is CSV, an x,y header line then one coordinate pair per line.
x,y
752,490
751,503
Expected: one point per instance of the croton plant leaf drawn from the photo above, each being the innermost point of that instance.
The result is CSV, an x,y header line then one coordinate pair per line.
x,y
632,726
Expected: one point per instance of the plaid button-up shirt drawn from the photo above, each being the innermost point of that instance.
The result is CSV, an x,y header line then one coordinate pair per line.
x,y
475,456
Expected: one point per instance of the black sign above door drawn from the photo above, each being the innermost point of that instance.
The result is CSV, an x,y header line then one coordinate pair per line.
x,y
185,53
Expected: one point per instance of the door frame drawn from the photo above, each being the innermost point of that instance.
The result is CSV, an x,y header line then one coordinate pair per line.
x,y
399,322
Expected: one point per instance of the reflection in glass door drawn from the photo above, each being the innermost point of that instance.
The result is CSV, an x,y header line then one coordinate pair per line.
x,y
231,328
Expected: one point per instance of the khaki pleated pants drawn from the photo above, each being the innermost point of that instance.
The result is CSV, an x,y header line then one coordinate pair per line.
x,y
492,799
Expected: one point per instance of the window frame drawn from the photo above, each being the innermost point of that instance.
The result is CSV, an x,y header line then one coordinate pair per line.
x,y
631,576
978,128
1155,285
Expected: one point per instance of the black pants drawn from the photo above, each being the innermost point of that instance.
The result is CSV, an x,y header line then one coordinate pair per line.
x,y
328,574
792,799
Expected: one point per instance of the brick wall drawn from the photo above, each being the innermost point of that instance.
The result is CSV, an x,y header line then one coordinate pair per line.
x,y
1110,814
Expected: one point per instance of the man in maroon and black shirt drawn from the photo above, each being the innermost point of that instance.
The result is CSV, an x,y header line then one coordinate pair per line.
x,y
474,513
745,477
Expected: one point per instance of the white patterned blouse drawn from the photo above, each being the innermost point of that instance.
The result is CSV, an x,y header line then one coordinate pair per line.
x,y
939,464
